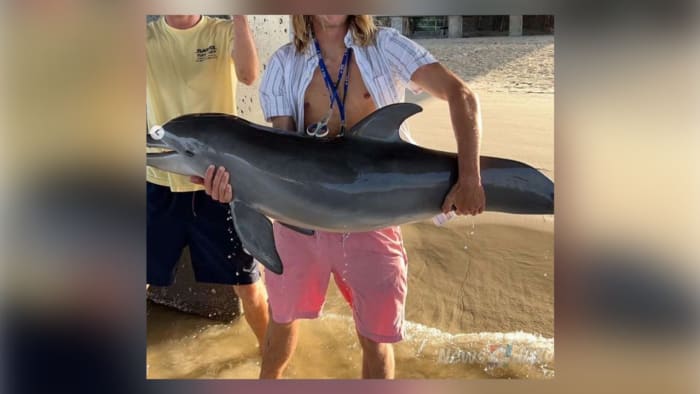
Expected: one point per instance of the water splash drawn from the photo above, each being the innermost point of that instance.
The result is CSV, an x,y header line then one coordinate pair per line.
x,y
499,354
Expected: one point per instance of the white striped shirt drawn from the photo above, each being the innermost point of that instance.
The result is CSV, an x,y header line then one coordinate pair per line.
x,y
386,69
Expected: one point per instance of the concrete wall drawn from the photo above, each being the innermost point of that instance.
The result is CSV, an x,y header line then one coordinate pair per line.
x,y
454,26
515,26
400,23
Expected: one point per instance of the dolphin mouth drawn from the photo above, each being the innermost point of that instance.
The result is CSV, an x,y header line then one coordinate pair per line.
x,y
165,149
162,154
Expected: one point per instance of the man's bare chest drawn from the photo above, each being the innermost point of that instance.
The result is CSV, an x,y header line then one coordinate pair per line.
x,y
317,99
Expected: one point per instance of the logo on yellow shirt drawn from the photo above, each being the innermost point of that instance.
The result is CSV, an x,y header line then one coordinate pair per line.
x,y
206,53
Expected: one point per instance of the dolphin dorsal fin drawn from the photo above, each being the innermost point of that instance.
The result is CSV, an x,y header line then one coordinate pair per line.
x,y
383,124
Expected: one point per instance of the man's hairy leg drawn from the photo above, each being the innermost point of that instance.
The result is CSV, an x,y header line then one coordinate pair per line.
x,y
377,359
280,343
254,300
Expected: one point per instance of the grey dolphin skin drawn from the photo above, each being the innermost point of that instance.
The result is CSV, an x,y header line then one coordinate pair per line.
x,y
366,180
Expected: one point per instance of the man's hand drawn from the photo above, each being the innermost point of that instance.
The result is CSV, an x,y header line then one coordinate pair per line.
x,y
216,184
466,196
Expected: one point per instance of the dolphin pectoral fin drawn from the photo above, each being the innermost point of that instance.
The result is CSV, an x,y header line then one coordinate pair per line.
x,y
384,123
255,232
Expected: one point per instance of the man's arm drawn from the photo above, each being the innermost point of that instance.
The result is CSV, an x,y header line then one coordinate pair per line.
x,y
216,183
243,53
284,123
467,195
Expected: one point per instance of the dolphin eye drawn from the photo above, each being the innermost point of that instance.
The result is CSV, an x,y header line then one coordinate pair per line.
x,y
189,153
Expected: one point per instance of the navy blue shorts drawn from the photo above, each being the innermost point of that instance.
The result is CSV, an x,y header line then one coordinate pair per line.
x,y
176,220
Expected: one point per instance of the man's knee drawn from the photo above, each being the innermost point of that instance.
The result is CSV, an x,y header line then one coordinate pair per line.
x,y
372,347
253,292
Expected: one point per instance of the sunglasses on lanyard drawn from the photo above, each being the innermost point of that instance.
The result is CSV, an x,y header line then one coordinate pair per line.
x,y
320,128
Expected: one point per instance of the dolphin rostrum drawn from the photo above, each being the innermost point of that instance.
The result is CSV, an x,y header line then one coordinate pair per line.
x,y
366,180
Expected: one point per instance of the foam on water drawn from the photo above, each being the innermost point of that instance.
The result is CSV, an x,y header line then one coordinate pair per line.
x,y
499,354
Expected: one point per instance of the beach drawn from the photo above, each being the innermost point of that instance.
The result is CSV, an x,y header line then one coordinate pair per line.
x,y
480,289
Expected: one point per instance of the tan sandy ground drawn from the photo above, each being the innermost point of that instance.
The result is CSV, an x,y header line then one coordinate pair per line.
x,y
492,273
503,280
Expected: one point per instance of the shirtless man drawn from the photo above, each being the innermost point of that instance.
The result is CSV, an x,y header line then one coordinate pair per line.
x,y
301,81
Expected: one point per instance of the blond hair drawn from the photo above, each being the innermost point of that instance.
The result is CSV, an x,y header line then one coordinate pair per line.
x,y
362,28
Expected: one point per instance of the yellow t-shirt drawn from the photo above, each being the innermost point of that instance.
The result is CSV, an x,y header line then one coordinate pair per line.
x,y
187,71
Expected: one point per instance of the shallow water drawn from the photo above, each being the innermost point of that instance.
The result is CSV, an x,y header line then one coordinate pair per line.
x,y
480,305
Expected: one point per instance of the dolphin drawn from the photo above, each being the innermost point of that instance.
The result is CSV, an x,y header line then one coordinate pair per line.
x,y
365,180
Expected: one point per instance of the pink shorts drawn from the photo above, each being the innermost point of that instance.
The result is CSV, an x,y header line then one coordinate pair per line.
x,y
370,269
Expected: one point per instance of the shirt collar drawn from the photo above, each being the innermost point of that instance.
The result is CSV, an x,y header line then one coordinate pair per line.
x,y
349,43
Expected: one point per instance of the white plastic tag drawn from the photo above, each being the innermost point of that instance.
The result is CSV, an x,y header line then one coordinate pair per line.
x,y
443,218
156,132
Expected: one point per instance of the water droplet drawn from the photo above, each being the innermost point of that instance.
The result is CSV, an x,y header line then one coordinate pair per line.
x,y
466,247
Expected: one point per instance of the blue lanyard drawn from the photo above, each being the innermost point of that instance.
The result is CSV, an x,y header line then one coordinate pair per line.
x,y
333,87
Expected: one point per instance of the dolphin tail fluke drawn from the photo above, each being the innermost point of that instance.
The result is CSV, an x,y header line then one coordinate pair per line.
x,y
255,232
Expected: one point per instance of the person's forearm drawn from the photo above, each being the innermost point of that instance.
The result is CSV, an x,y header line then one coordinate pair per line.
x,y
244,55
284,123
466,121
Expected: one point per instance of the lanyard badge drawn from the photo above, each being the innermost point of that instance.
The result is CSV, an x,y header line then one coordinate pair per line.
x,y
320,128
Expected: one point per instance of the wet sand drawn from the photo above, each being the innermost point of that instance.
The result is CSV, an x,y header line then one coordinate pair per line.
x,y
499,64
475,290
480,299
